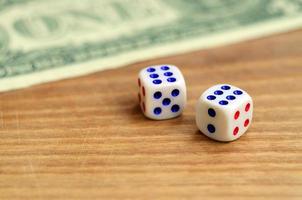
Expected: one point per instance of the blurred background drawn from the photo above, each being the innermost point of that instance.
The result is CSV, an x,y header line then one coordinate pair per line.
x,y
42,41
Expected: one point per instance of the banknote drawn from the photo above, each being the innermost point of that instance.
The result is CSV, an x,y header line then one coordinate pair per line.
x,y
42,40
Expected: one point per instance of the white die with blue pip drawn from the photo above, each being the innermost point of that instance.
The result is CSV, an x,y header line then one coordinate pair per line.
x,y
224,112
162,91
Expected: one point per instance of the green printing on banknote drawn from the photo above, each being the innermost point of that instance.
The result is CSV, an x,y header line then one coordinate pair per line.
x,y
39,35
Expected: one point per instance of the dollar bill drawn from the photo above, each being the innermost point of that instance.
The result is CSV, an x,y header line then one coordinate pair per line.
x,y
42,40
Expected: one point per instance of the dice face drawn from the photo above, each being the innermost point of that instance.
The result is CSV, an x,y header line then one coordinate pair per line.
x,y
162,91
224,112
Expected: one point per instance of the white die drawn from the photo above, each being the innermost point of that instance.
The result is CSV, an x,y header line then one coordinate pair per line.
x,y
162,91
224,112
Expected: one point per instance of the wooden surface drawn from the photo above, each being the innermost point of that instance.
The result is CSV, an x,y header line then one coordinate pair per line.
x,y
86,138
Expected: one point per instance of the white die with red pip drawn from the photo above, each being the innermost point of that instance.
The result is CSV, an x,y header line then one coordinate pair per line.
x,y
162,91
224,112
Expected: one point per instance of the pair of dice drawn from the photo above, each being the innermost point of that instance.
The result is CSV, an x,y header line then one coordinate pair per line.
x,y
223,112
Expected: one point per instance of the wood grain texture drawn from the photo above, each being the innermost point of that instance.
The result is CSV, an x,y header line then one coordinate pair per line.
x,y
85,138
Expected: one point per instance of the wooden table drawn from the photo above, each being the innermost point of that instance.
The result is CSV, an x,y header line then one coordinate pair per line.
x,y
85,138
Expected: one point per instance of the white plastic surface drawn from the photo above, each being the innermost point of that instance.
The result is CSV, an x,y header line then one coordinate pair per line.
x,y
224,120
147,100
